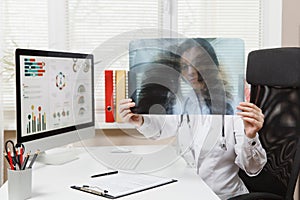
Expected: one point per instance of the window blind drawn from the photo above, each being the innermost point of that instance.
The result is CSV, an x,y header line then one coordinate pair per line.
x,y
91,23
222,18
23,25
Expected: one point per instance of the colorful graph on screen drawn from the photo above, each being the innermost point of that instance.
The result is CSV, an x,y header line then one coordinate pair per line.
x,y
36,121
54,96
33,67
60,80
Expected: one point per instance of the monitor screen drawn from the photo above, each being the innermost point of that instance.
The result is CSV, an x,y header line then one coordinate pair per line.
x,y
186,75
55,97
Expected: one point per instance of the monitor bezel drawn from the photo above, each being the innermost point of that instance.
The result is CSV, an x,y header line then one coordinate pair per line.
x,y
33,52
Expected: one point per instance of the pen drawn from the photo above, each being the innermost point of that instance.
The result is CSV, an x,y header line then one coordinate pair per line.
x,y
104,174
25,161
13,156
18,160
34,158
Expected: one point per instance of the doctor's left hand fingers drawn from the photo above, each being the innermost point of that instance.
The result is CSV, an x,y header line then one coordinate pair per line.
x,y
256,125
248,106
251,118
256,116
251,108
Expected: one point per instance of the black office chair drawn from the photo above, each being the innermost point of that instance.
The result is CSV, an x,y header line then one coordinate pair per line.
x,y
274,75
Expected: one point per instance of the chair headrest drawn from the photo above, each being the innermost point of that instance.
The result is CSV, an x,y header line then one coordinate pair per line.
x,y
274,67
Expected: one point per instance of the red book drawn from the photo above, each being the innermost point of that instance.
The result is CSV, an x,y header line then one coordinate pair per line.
x,y
109,96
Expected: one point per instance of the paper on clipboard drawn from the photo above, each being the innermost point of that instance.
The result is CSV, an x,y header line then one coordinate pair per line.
x,y
123,184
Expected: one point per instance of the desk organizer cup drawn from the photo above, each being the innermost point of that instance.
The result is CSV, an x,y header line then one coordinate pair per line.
x,y
19,184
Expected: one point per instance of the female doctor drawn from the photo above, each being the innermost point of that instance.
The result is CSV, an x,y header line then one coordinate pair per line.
x,y
215,145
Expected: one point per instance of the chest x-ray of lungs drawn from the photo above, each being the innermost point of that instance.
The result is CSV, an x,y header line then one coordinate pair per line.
x,y
192,76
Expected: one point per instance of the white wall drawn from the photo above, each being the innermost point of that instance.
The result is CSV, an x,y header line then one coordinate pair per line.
x,y
1,136
1,112
291,23
272,16
291,37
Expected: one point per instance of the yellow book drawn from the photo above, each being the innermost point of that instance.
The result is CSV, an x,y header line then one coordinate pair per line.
x,y
120,81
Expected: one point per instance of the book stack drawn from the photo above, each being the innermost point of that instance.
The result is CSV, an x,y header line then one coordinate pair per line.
x,y
115,90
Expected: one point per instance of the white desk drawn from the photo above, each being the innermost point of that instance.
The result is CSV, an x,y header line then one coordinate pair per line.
x,y
53,182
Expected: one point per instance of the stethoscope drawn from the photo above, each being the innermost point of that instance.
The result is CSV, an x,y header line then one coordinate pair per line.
x,y
180,124
223,144
223,138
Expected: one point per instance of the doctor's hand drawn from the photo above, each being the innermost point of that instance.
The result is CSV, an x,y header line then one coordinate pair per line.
x,y
126,114
252,116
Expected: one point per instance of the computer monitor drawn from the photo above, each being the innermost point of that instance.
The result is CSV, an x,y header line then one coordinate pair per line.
x,y
55,99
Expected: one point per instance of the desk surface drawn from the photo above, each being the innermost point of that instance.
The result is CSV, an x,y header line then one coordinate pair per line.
x,y
53,182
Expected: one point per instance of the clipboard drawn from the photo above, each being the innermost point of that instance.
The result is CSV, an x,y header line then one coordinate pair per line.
x,y
134,183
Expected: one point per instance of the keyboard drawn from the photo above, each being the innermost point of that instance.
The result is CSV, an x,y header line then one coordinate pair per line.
x,y
124,161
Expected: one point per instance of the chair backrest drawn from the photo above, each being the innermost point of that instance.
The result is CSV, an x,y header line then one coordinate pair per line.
x,y
274,75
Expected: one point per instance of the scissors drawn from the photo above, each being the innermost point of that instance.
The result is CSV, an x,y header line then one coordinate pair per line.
x,y
16,156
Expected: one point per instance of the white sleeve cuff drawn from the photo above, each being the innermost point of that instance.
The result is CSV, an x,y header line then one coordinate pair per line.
x,y
252,142
146,129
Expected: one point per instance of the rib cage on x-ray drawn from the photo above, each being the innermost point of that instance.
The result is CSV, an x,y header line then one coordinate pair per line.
x,y
153,86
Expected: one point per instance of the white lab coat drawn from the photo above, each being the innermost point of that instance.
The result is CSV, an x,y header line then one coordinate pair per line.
x,y
199,143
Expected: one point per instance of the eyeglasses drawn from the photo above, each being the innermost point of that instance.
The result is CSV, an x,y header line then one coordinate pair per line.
x,y
185,67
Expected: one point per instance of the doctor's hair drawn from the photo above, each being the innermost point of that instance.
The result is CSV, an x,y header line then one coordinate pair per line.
x,y
168,58
201,43
209,73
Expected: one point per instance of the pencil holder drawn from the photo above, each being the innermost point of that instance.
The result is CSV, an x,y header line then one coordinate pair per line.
x,y
19,184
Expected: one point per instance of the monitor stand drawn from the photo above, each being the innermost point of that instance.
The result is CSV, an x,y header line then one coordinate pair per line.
x,y
57,157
